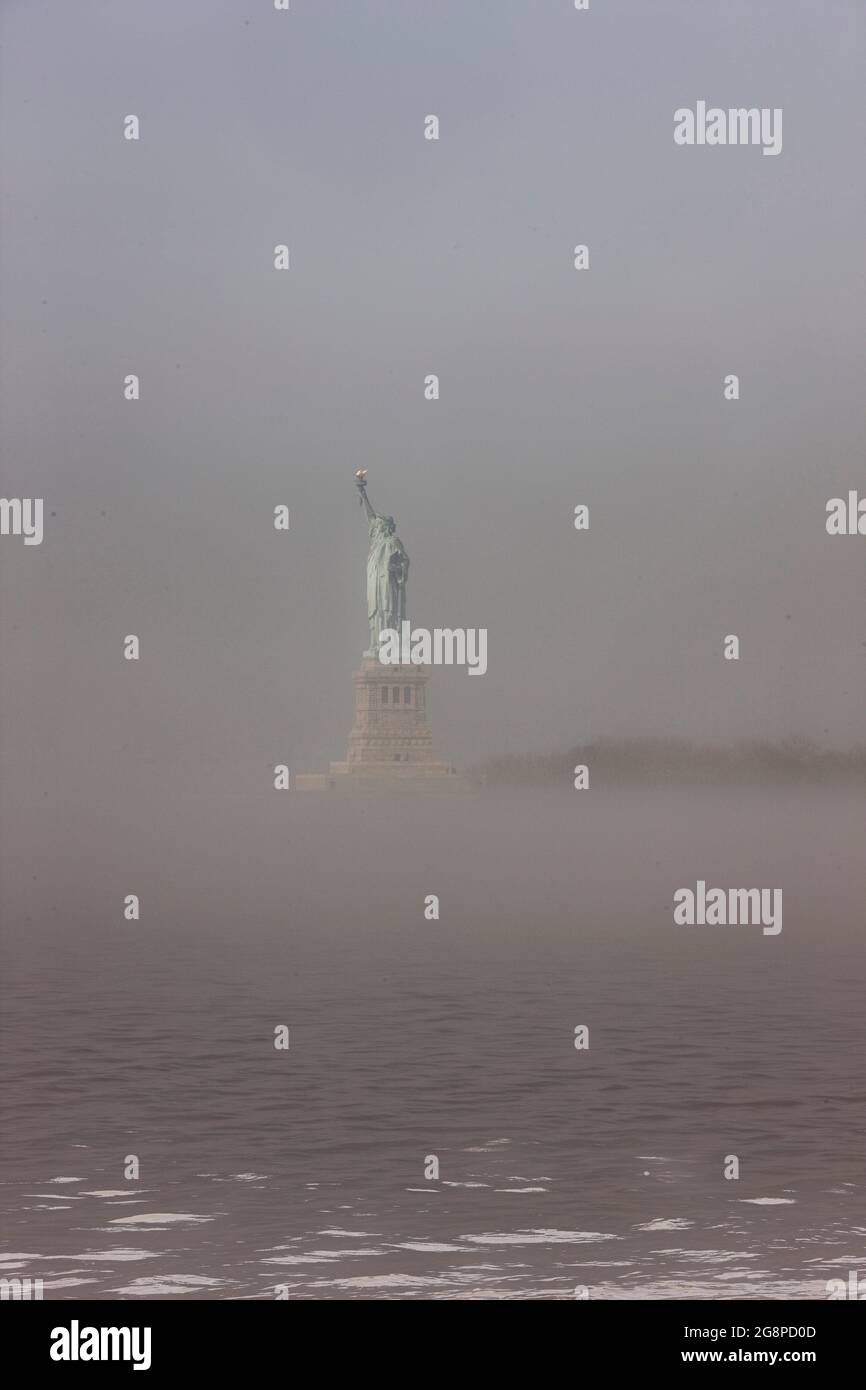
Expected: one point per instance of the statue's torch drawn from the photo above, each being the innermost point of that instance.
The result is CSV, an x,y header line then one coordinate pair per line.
x,y
360,483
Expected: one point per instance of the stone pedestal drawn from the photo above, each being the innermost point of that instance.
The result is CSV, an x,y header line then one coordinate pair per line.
x,y
390,736
390,743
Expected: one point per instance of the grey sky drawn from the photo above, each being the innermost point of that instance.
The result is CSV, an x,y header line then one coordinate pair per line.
x,y
411,257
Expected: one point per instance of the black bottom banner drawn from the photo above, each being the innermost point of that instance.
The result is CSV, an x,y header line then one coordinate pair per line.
x,y
162,1338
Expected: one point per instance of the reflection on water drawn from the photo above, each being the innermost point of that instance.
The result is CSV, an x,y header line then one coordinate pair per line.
x,y
559,1170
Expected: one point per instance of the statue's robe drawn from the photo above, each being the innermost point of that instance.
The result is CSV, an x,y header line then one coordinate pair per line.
x,y
386,592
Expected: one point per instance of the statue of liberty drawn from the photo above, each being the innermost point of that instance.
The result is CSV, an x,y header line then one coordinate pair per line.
x,y
387,571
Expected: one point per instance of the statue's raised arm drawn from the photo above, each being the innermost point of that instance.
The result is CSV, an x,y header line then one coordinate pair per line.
x,y
387,571
362,489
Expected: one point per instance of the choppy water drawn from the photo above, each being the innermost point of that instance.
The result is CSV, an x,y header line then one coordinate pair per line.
x,y
557,1168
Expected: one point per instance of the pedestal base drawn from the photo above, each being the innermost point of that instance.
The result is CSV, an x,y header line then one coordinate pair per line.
x,y
390,744
390,716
